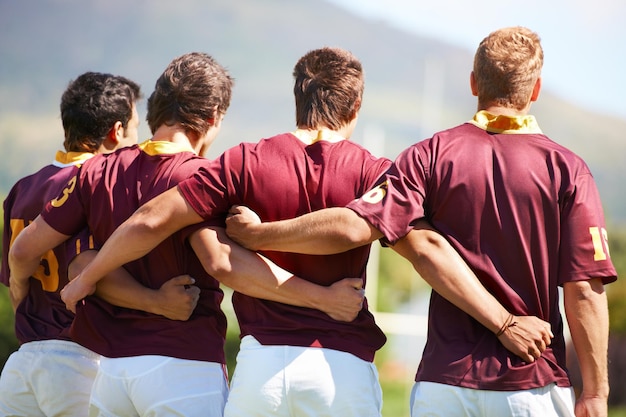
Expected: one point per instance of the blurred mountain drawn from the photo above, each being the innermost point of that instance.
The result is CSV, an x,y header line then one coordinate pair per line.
x,y
414,85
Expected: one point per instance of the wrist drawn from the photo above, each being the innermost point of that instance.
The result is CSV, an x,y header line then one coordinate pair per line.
x,y
508,323
150,302
494,320
599,392
257,237
317,295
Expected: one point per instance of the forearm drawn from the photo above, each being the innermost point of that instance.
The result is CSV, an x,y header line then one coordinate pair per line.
x,y
143,231
22,267
327,231
126,292
588,318
118,288
122,247
112,257
256,276
261,278
176,299
249,273
446,272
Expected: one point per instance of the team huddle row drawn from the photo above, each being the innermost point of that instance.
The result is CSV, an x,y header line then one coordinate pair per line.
x,y
116,252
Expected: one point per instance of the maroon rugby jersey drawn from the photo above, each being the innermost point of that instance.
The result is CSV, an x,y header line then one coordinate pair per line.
x,y
42,315
281,178
105,192
525,214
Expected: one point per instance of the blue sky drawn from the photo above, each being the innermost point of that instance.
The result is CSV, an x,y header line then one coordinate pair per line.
x,y
584,42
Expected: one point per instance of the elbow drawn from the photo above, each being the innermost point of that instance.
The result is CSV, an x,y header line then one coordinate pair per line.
x,y
22,250
584,290
145,221
218,265
429,242
355,231
427,251
219,270
21,258
585,299
18,254
353,239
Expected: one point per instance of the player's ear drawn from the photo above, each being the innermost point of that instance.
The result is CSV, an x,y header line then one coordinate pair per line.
x,y
536,90
116,133
216,119
356,108
473,84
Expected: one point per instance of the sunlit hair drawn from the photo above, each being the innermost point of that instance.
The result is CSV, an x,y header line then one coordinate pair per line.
x,y
193,89
507,65
328,88
90,107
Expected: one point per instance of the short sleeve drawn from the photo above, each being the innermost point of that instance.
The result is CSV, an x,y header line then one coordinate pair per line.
x,y
395,204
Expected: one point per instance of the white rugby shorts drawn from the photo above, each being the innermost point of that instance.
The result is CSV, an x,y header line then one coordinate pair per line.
x,y
48,378
158,386
283,381
433,400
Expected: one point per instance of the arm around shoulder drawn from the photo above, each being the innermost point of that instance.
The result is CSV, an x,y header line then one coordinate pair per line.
x,y
322,232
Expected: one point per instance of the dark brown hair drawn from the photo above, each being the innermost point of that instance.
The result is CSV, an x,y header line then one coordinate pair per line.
x,y
193,89
328,88
91,105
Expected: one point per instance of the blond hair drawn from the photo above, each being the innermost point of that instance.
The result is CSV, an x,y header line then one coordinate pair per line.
x,y
507,65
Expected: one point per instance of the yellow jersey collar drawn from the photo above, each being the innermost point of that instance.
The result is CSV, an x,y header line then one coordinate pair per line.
x,y
309,137
65,159
505,124
164,147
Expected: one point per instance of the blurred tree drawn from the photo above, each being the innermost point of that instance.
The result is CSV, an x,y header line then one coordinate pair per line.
x,y
616,292
8,341
397,282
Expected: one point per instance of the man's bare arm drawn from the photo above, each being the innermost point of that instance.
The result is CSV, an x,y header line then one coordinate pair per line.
x,y
256,276
322,232
176,299
588,319
138,235
446,272
25,255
